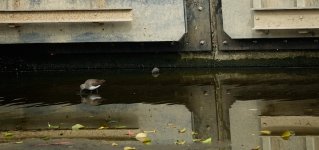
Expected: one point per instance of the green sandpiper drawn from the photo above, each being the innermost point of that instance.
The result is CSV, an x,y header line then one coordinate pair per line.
x,y
91,84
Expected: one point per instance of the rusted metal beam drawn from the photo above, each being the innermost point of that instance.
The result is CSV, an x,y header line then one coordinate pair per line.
x,y
65,16
277,19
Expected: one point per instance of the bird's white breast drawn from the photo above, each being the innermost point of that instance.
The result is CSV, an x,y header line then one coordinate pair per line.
x,y
94,87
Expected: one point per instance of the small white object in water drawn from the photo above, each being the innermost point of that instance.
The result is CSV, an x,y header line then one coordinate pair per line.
x,y
155,72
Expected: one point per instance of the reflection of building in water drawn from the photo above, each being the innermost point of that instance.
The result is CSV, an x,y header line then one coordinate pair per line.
x,y
269,101
248,118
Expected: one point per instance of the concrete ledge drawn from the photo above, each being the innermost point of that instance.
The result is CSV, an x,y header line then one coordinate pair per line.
x,y
69,16
299,124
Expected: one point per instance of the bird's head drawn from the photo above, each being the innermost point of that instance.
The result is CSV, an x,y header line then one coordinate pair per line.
x,y
82,86
102,81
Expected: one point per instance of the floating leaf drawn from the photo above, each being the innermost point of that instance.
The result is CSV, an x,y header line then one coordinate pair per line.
x,y
142,137
256,148
265,132
129,148
182,130
207,141
180,142
19,142
52,126
8,134
197,140
194,133
114,144
77,127
287,134
103,127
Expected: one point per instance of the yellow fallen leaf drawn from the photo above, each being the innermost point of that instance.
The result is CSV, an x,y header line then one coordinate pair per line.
x,y
287,134
207,141
114,144
77,127
256,148
141,137
103,127
265,132
182,130
180,142
129,148
19,142
7,134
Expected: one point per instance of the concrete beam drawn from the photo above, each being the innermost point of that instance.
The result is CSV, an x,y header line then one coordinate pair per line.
x,y
304,125
66,16
273,19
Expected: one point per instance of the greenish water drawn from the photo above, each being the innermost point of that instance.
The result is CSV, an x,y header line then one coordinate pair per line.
x,y
225,105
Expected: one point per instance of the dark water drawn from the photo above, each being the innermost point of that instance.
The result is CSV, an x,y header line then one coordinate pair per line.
x,y
229,106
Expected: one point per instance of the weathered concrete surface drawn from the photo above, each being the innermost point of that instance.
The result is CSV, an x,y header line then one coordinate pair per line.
x,y
153,20
239,21
14,19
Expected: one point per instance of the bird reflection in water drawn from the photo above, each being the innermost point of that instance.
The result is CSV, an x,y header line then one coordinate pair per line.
x,y
91,99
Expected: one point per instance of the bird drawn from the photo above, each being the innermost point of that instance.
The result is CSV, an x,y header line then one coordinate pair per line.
x,y
91,84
